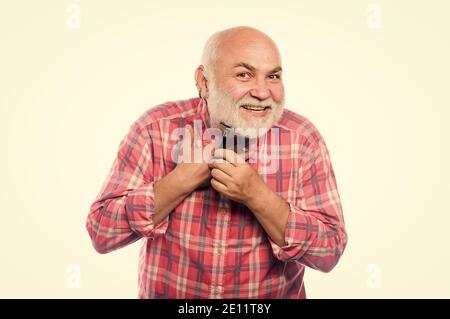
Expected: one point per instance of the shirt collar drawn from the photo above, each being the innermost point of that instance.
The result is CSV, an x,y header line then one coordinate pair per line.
x,y
202,111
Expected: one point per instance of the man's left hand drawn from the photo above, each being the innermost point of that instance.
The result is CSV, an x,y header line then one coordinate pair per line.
x,y
235,178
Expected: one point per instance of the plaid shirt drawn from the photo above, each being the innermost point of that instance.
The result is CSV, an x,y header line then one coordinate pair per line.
x,y
210,246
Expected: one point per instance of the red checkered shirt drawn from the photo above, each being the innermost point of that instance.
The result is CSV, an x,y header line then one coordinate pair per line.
x,y
210,246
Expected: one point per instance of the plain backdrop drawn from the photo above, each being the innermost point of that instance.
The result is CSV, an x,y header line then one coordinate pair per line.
x,y
373,76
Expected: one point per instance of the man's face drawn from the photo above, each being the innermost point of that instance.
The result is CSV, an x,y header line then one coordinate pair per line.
x,y
246,90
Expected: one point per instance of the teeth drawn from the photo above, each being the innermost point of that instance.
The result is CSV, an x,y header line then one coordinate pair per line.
x,y
253,108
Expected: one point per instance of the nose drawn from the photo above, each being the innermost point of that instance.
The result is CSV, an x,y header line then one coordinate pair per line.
x,y
260,90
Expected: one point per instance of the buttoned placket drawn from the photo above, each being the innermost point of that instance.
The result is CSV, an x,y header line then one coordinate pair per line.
x,y
219,248
223,219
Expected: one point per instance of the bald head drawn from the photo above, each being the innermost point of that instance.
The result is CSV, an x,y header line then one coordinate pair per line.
x,y
230,41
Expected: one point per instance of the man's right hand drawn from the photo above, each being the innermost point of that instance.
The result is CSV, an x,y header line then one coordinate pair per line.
x,y
192,167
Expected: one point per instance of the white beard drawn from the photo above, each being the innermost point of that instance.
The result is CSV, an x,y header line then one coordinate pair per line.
x,y
223,108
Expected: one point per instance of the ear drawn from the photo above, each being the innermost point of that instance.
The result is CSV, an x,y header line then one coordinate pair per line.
x,y
201,82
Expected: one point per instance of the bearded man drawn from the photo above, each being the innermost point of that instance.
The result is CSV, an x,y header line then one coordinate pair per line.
x,y
224,225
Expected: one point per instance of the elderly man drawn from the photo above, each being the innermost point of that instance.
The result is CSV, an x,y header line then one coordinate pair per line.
x,y
224,226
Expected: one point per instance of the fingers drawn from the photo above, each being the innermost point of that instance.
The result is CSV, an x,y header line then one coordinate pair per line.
x,y
223,165
221,175
191,150
195,140
230,156
218,186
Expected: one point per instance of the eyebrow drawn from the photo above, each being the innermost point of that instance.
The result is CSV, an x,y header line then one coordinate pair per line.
x,y
252,68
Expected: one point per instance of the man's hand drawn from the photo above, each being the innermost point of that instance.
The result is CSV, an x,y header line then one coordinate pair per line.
x,y
193,167
187,176
240,182
235,178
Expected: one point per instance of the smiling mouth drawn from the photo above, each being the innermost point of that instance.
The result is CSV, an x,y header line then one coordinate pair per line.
x,y
255,108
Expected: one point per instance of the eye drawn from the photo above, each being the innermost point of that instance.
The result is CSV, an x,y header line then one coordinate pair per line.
x,y
243,75
275,76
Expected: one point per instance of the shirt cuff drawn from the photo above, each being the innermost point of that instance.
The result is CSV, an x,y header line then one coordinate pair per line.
x,y
291,250
140,208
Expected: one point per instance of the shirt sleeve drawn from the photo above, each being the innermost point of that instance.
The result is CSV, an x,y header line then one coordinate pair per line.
x,y
123,211
315,233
